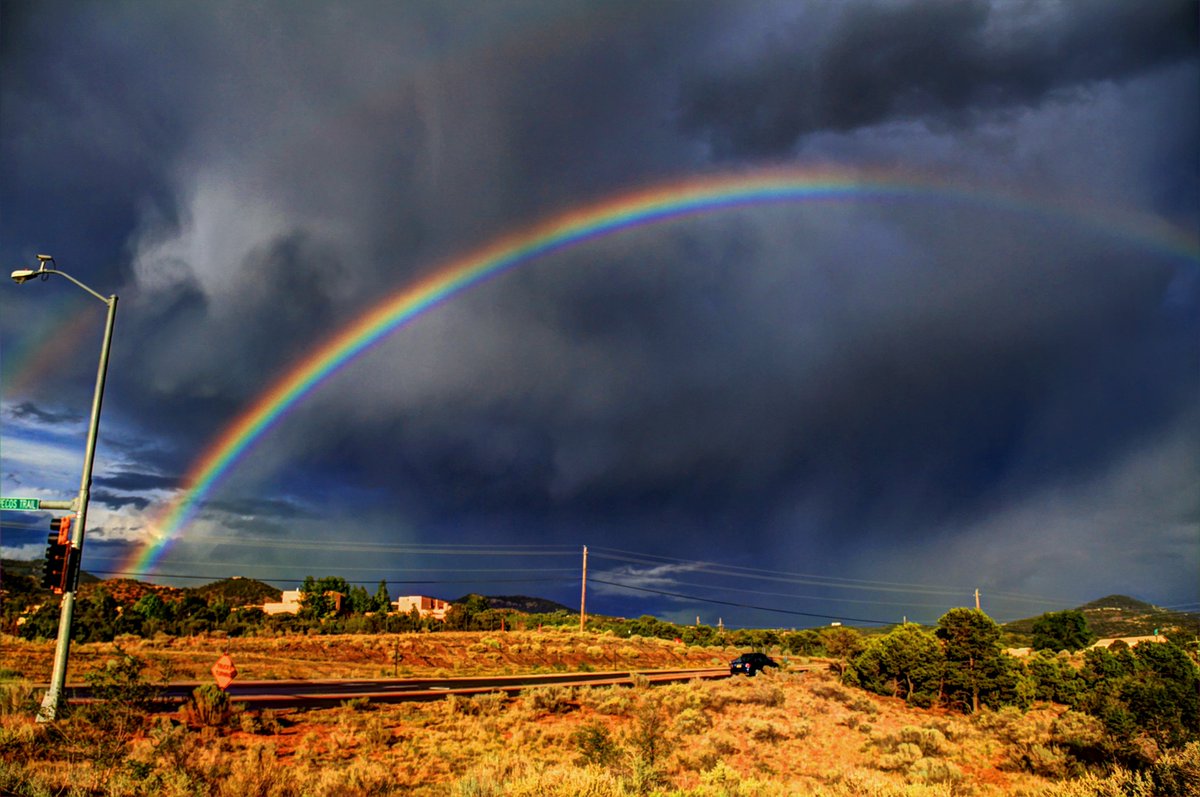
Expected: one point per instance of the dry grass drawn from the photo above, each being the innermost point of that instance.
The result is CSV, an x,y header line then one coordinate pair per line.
x,y
368,656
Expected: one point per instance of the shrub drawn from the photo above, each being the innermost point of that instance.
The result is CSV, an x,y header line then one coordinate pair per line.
x,y
1081,735
647,739
1177,772
551,699
904,755
930,740
1048,761
596,746
209,706
121,683
762,730
613,701
17,698
691,721
933,770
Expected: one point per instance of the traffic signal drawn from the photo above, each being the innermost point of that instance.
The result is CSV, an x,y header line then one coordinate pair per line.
x,y
59,558
63,526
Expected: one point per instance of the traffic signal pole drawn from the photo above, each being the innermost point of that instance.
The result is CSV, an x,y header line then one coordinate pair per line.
x,y
53,698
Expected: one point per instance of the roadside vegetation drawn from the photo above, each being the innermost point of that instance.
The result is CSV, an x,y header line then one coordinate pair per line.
x,y
780,733
909,710
914,712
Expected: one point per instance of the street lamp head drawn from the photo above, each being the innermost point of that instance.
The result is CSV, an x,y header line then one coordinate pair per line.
x,y
23,275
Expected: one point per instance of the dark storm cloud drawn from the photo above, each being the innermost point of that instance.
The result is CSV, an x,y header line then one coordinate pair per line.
x,y
948,61
821,383
28,411
130,481
113,501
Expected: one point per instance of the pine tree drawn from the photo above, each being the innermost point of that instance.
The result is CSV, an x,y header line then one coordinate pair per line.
x,y
383,601
977,671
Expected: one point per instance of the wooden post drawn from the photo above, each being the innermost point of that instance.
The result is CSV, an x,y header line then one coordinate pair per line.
x,y
583,593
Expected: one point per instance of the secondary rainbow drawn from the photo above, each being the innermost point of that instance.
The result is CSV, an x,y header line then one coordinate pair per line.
x,y
638,208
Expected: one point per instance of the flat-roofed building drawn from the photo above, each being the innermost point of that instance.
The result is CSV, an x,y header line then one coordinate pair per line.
x,y
425,606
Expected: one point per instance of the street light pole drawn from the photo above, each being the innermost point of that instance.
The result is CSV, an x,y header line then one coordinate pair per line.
x,y
53,698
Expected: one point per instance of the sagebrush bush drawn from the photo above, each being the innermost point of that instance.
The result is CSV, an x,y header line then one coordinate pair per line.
x,y
121,682
209,706
933,770
550,699
691,721
762,731
930,740
17,697
648,737
595,745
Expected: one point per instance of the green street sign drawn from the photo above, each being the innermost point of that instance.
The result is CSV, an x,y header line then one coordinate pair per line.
x,y
20,503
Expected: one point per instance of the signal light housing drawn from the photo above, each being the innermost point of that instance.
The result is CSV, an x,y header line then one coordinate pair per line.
x,y
61,558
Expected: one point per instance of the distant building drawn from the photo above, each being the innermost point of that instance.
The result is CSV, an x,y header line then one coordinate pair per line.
x,y
425,606
1131,641
289,602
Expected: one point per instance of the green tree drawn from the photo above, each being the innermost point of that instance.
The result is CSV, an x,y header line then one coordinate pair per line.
x,y
360,600
95,618
1163,694
152,607
383,600
843,644
1055,631
977,671
1054,678
802,643
461,615
907,663
316,600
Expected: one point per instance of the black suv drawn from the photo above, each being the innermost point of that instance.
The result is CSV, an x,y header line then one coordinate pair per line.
x,y
751,663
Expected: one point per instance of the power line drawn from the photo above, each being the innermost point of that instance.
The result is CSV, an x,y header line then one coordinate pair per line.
x,y
810,597
464,549
743,605
131,574
373,569
813,580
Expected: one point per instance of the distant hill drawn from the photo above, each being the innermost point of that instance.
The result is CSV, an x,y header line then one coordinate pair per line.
x,y
520,603
239,591
1121,616
128,591
524,603
20,584
33,569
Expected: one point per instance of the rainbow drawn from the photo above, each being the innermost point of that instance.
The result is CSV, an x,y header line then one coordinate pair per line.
x,y
638,208
56,337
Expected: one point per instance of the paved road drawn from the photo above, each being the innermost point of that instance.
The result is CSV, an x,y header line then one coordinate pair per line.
x,y
293,694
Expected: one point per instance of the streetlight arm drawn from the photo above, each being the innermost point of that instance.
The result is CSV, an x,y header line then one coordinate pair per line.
x,y
105,299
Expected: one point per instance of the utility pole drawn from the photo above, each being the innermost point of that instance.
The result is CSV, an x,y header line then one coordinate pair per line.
x,y
583,593
977,599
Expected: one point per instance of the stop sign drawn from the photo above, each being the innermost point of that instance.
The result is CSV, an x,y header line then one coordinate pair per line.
x,y
224,671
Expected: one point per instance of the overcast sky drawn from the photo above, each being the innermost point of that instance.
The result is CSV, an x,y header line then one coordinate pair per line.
x,y
855,410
